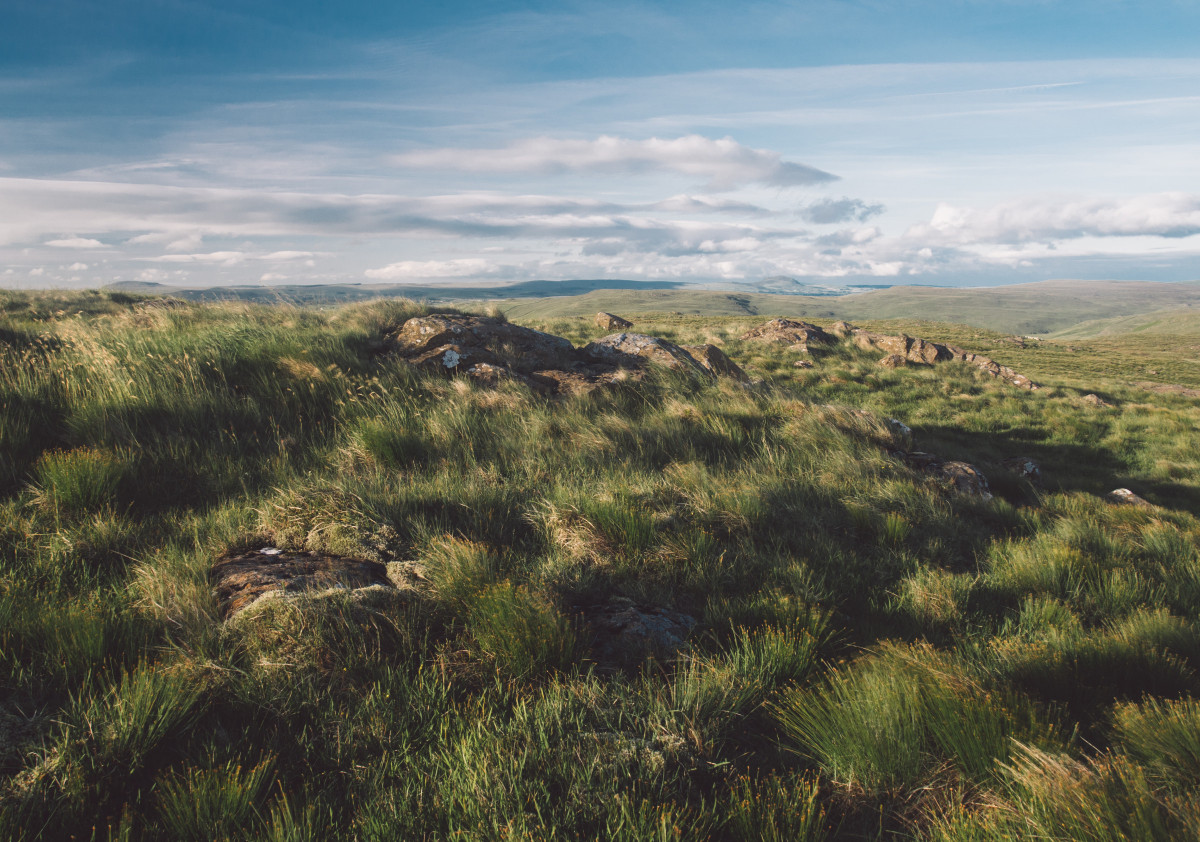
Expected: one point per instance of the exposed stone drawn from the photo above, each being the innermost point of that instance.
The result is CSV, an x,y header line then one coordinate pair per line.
x,y
796,335
961,476
803,364
1096,400
625,633
1125,497
607,321
636,349
841,329
715,360
1025,468
893,361
241,579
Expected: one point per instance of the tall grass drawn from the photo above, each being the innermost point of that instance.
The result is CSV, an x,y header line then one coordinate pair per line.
x,y
873,651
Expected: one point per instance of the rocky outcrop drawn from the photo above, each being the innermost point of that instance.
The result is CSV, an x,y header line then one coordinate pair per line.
x,y
633,350
491,351
841,329
625,633
455,342
796,335
715,360
241,579
1096,400
607,321
922,351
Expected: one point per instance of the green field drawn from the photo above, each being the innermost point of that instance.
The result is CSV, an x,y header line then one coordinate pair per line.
x,y
872,654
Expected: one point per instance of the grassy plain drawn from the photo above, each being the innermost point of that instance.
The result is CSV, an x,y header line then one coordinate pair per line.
x,y
876,655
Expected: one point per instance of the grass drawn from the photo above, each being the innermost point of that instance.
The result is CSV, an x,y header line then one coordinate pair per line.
x,y
873,655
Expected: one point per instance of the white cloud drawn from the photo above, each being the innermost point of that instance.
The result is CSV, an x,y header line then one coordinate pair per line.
x,y
77,267
37,272
76,243
220,258
418,269
724,162
1166,215
273,276
831,211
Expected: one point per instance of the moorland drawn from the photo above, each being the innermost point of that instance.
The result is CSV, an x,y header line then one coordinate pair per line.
x,y
660,605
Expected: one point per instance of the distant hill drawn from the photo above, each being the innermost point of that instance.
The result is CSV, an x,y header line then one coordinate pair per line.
x,y
345,293
1027,309
1034,309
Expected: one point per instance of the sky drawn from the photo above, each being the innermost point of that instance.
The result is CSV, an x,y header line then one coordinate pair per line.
x,y
959,142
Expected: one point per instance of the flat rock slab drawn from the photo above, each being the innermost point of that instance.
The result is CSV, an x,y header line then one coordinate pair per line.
x,y
240,580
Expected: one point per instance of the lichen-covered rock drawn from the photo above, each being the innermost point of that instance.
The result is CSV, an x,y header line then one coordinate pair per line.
x,y
1096,400
961,476
626,633
607,321
636,349
893,361
716,361
841,329
241,579
795,334
802,364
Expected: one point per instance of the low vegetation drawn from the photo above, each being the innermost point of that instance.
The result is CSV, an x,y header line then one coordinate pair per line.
x,y
870,653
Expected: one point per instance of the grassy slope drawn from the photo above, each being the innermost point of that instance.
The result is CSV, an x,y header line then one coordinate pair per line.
x,y
875,653
1169,322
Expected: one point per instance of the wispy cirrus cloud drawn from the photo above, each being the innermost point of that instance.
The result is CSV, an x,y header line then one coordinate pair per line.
x,y
724,163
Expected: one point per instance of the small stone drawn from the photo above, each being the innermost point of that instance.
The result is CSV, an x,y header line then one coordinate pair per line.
x,y
803,364
607,321
893,361
1125,497
1025,468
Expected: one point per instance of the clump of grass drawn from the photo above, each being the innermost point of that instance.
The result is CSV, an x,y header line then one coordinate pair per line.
x,y
81,480
525,634
117,731
202,805
1111,800
775,809
1163,736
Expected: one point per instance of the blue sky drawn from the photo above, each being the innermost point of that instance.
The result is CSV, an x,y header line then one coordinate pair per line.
x,y
968,142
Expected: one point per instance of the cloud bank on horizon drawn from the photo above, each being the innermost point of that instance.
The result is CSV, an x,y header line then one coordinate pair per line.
x,y
943,143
